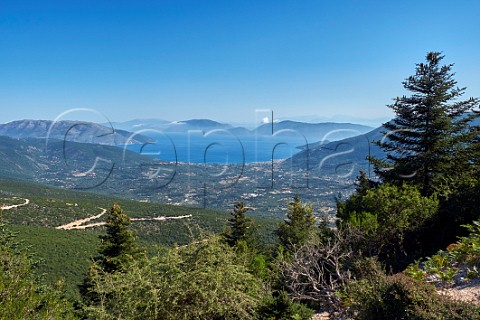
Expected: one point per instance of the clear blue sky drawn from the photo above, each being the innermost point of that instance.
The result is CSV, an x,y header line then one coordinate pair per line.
x,y
178,60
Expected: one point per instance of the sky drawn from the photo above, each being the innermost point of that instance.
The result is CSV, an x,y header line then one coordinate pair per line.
x,y
178,60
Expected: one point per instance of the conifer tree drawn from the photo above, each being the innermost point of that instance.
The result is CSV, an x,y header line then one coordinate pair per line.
x,y
427,142
119,249
119,245
239,226
299,225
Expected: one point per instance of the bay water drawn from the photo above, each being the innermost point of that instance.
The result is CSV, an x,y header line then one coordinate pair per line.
x,y
196,147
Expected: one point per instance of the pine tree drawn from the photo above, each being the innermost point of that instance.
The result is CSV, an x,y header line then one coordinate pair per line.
x,y
119,249
299,225
427,142
239,226
119,245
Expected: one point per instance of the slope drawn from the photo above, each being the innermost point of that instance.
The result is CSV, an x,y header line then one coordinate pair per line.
x,y
66,253
339,158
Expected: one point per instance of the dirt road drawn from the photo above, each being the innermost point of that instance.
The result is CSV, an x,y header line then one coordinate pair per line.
x,y
78,223
13,206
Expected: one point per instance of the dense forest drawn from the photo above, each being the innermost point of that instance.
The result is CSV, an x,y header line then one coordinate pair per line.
x,y
402,236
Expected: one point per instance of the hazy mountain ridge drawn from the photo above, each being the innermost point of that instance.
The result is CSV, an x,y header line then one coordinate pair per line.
x,y
346,156
109,170
196,124
76,131
314,131
138,124
311,131
33,158
169,126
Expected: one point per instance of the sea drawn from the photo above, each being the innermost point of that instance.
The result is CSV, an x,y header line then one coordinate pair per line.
x,y
197,147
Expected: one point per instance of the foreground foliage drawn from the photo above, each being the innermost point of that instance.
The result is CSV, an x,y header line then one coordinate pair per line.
x,y
384,216
401,297
297,228
20,296
464,255
204,280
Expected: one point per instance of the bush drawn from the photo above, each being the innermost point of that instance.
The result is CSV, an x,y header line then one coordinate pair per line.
x,y
401,297
389,217
467,249
203,280
279,307
20,296
465,253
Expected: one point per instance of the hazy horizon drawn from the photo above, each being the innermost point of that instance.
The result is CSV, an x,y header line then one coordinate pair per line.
x,y
313,119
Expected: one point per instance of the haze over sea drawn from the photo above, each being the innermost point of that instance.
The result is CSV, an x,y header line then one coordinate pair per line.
x,y
216,148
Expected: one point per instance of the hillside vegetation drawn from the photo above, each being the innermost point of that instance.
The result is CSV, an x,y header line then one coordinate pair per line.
x,y
65,253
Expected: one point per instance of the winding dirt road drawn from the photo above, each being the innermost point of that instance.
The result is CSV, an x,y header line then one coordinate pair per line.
x,y
162,218
13,206
80,224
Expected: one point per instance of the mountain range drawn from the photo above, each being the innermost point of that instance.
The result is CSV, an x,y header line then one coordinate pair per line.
x,y
75,131
339,158
31,158
325,131
311,131
26,157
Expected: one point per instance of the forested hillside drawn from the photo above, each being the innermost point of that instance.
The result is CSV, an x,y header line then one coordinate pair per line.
x,y
65,252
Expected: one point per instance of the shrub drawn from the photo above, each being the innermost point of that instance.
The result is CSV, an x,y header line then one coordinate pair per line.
x,y
465,253
385,215
20,296
203,280
279,307
467,249
401,297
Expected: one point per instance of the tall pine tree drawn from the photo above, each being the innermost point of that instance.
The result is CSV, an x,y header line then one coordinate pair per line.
x,y
427,143
299,225
239,226
119,246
